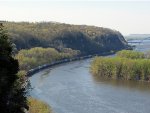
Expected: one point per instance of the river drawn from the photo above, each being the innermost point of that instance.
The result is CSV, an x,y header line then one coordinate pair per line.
x,y
70,88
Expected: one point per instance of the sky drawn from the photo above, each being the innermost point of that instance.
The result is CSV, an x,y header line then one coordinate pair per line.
x,y
126,16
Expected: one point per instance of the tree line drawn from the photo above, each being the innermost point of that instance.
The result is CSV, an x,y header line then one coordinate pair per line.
x,y
37,56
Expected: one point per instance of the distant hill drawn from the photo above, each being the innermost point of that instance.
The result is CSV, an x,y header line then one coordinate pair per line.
x,y
86,39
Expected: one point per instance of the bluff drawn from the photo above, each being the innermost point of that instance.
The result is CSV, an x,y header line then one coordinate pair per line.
x,y
86,39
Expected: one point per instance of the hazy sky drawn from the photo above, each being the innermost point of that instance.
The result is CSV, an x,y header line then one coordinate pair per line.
x,y
124,16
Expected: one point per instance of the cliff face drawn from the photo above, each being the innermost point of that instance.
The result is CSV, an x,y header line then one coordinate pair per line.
x,y
112,41
87,39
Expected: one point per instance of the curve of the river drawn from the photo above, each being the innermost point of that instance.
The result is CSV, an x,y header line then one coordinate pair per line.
x,y
70,88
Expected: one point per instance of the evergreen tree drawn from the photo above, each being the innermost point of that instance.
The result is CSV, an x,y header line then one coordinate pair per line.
x,y
12,91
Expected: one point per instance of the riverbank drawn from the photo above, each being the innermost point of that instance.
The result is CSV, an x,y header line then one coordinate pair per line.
x,y
126,65
37,106
54,63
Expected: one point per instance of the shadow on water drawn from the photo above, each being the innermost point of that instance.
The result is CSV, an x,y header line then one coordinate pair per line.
x,y
46,73
128,84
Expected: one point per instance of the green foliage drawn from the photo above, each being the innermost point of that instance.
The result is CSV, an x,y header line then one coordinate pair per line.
x,y
34,57
5,44
12,92
130,54
86,39
126,66
21,73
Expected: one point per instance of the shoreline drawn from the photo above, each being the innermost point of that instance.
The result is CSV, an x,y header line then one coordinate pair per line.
x,y
35,70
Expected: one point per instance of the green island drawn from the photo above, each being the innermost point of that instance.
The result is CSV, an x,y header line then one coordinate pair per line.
x,y
126,65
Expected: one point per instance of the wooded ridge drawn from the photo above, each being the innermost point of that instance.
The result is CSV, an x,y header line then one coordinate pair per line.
x,y
86,39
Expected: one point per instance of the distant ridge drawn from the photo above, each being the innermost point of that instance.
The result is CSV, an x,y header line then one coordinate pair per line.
x,y
86,39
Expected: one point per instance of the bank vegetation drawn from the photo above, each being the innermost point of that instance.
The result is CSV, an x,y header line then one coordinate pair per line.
x,y
37,56
126,65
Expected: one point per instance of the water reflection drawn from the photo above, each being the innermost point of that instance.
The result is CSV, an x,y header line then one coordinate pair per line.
x,y
130,85
45,74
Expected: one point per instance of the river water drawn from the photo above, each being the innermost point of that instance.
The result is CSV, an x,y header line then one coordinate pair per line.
x,y
71,88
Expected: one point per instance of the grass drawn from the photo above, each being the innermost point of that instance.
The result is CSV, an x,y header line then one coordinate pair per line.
x,y
36,106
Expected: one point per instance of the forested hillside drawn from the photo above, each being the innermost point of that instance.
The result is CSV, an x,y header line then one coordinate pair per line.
x,y
86,39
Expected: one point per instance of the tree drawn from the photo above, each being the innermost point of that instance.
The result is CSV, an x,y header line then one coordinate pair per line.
x,y
12,92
